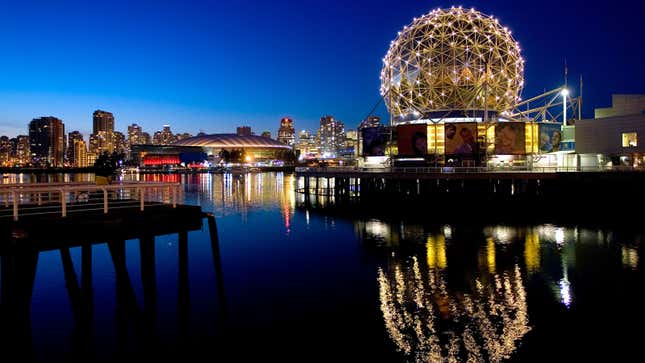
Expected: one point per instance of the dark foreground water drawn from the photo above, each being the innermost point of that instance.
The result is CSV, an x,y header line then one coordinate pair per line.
x,y
300,285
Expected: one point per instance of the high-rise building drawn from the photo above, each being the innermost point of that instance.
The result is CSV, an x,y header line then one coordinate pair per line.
x,y
145,138
47,141
135,134
244,131
119,142
6,149
72,137
332,136
182,136
103,131
135,137
286,132
91,158
163,137
370,121
80,154
266,134
23,153
307,146
103,121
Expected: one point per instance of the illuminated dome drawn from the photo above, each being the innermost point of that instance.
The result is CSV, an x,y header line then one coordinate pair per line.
x,y
452,59
231,141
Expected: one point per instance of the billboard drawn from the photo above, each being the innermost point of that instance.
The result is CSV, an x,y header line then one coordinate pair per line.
x,y
461,139
412,140
374,141
550,138
510,138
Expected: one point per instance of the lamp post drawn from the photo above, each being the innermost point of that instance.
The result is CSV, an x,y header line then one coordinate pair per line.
x,y
564,93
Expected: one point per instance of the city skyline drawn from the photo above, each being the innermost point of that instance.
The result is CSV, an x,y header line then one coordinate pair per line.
x,y
212,66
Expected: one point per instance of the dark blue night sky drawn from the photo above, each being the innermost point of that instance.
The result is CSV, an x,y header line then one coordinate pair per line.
x,y
214,65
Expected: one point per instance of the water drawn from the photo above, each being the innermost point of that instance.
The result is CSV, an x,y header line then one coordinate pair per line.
x,y
301,284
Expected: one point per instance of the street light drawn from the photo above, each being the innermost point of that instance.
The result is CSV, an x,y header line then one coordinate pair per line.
x,y
564,93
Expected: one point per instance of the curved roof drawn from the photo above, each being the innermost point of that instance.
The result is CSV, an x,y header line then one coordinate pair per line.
x,y
443,60
232,141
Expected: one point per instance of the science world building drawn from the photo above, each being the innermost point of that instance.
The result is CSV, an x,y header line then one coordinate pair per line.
x,y
452,83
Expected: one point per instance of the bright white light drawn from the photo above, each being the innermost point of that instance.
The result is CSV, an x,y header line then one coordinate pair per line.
x,y
559,236
565,292
447,231
377,229
564,93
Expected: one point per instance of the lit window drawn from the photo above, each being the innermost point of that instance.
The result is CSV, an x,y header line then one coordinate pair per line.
x,y
630,139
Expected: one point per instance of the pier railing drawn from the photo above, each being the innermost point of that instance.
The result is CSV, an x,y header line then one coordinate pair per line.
x,y
451,169
17,200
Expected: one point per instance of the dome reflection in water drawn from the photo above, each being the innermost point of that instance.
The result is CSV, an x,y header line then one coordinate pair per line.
x,y
430,322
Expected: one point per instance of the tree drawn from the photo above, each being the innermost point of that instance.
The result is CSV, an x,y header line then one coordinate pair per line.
x,y
106,164
233,156
225,155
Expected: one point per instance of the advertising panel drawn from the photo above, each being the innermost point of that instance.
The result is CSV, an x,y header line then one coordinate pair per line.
x,y
374,141
510,138
412,140
461,139
550,138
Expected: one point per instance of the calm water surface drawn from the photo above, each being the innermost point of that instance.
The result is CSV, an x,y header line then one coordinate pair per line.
x,y
301,284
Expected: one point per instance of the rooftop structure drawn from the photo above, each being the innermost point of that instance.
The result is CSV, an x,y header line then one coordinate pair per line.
x,y
452,59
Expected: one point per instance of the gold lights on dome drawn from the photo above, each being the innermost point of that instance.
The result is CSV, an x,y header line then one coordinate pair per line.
x,y
452,59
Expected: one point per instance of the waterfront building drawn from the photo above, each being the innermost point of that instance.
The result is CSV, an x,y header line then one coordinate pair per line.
x,y
454,107
616,136
254,149
47,141
332,136
287,132
622,105
151,155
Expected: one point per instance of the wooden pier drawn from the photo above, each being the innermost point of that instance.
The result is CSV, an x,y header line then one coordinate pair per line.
x,y
476,194
43,226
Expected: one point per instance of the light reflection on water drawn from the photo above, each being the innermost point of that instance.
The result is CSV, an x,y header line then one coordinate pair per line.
x,y
462,295
430,322
435,291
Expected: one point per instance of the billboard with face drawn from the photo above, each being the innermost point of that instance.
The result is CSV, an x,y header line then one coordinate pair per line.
x,y
510,138
374,141
461,139
550,138
412,140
